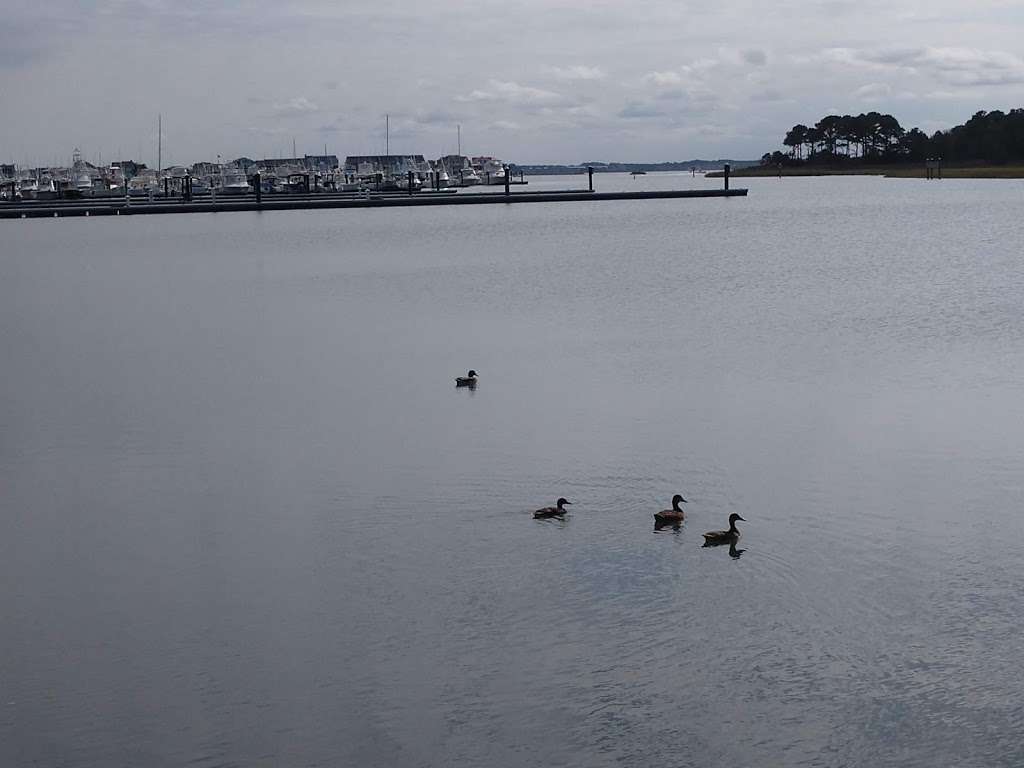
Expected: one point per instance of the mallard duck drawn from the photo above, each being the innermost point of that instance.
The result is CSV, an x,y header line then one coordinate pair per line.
x,y
672,516
555,511
469,380
714,538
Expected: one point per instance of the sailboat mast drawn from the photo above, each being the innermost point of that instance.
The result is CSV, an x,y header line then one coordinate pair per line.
x,y
387,134
460,139
159,142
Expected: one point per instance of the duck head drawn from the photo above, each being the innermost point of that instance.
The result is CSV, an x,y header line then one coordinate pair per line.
x,y
471,375
562,502
676,501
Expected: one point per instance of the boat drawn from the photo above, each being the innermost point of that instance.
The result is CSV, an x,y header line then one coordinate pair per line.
x,y
234,182
27,188
490,170
46,189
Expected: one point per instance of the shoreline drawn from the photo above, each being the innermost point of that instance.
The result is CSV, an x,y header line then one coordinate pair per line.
x,y
891,171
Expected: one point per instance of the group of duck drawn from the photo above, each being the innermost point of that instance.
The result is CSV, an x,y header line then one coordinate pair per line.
x,y
667,517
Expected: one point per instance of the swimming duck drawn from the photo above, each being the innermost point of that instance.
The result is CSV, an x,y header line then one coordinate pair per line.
x,y
469,380
555,511
672,516
714,538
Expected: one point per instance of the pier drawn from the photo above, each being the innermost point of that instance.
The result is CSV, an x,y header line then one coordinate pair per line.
x,y
125,207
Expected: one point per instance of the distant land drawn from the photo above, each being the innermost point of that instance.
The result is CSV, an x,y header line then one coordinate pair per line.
x,y
601,167
989,145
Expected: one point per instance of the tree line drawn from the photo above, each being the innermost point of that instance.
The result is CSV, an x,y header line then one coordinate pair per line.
x,y
873,137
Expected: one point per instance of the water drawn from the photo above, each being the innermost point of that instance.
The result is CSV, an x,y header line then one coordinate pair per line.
x,y
247,520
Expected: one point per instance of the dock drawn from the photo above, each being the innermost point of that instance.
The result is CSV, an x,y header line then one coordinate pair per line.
x,y
123,207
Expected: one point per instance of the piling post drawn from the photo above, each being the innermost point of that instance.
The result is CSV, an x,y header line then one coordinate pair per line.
x,y
726,175
258,184
410,177
590,177
508,180
166,187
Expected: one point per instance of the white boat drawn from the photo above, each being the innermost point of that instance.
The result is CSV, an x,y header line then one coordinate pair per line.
x,y
234,182
46,189
490,170
83,183
402,183
27,189
144,185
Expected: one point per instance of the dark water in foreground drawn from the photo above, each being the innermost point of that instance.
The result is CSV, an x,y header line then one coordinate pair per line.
x,y
246,519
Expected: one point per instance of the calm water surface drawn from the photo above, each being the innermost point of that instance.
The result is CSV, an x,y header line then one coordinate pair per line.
x,y
247,520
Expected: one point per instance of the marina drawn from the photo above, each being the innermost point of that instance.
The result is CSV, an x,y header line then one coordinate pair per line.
x,y
372,183
56,209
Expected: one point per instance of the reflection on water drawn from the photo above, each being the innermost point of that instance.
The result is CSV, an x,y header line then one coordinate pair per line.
x,y
224,543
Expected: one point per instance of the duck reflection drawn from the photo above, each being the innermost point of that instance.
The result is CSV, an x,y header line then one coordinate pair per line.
x,y
734,552
667,526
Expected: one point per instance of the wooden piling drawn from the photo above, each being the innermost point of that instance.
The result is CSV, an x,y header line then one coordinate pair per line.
x,y
590,178
508,180
725,175
258,184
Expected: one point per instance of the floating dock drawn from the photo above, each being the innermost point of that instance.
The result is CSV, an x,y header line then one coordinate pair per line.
x,y
121,207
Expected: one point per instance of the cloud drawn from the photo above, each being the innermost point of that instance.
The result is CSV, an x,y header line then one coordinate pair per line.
x,y
335,126
754,56
953,66
578,72
637,110
300,105
873,91
769,95
661,79
518,95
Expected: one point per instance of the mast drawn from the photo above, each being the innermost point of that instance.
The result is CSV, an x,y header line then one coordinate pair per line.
x,y
387,134
293,147
460,139
159,142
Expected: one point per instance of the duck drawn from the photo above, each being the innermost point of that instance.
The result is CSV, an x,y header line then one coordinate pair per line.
x,y
714,538
555,511
469,380
672,516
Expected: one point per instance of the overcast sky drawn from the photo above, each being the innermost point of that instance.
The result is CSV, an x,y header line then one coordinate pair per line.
x,y
529,80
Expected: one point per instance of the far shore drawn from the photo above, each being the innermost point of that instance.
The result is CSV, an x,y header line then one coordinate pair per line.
x,y
892,171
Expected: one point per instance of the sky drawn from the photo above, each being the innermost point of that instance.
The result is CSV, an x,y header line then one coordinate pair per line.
x,y
529,81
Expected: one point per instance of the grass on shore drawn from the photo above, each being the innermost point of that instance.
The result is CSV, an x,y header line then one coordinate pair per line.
x,y
892,171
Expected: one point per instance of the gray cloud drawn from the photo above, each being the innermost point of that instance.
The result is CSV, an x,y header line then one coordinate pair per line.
x,y
755,56
681,77
635,110
954,66
578,72
294,107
